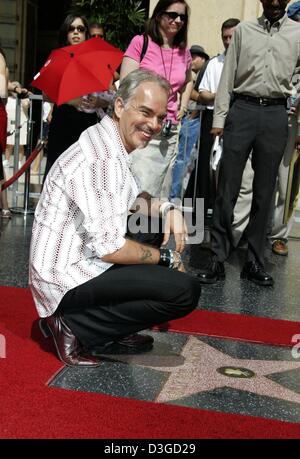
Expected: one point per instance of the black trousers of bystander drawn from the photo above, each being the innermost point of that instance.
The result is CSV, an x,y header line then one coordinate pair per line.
x,y
263,130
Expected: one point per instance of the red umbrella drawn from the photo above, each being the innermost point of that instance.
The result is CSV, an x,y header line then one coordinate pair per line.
x,y
76,70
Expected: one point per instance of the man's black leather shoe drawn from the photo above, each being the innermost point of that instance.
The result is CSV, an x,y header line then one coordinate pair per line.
x,y
132,344
67,346
255,273
212,273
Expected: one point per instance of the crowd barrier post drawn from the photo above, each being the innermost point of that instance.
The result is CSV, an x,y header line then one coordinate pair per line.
x,y
16,150
25,210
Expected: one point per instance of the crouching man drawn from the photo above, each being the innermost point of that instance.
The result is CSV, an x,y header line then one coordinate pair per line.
x,y
94,284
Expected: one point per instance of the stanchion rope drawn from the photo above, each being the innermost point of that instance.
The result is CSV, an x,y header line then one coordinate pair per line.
x,y
25,166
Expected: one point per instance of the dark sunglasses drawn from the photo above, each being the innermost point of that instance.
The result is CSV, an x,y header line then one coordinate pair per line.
x,y
173,15
79,28
97,35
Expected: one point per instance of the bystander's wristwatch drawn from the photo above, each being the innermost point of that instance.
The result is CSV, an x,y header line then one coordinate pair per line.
x,y
165,208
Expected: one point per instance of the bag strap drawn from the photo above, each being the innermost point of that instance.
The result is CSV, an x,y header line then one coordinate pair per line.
x,y
144,48
200,75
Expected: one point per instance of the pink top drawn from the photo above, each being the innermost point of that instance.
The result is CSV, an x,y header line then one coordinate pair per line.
x,y
172,64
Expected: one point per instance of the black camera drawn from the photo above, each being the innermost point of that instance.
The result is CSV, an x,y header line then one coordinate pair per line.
x,y
167,128
23,95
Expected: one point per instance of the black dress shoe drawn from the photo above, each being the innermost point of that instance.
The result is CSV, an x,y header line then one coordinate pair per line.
x,y
212,273
132,344
255,273
67,346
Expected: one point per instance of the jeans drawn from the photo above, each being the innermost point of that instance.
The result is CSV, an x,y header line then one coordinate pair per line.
x,y
188,136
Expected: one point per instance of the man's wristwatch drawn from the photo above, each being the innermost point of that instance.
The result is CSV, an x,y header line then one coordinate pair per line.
x,y
169,258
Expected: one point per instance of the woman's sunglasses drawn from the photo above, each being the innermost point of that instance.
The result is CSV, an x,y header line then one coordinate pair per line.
x,y
173,15
79,28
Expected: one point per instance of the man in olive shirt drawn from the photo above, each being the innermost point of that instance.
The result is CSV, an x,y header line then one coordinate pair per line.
x,y
251,110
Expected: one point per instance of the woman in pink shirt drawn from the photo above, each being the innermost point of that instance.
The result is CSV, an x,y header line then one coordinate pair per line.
x,y
166,54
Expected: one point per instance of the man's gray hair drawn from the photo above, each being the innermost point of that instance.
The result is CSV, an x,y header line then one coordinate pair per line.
x,y
132,81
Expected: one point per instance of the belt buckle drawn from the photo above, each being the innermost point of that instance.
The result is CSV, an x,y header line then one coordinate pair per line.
x,y
263,101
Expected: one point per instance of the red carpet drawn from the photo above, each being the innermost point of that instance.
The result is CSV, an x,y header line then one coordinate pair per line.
x,y
30,409
237,327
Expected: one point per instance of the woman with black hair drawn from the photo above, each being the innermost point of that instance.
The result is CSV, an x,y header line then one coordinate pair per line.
x,y
69,120
162,49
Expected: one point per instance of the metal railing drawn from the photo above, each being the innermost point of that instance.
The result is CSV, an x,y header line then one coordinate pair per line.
x,y
29,147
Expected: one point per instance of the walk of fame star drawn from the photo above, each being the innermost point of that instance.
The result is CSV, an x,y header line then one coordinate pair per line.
x,y
201,367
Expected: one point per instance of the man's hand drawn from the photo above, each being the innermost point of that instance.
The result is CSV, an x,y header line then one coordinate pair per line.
x,y
217,132
292,110
92,102
181,268
21,92
175,224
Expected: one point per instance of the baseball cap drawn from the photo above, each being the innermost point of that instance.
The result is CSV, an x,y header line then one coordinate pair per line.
x,y
197,49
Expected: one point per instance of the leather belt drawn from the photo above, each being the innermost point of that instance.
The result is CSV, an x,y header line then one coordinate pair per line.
x,y
261,100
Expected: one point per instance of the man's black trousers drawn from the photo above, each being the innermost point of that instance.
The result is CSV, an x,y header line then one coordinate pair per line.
x,y
126,299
